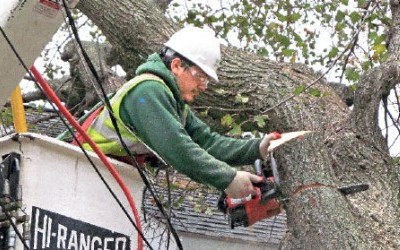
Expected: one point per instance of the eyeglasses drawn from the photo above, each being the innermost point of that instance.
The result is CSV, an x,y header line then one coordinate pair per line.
x,y
200,76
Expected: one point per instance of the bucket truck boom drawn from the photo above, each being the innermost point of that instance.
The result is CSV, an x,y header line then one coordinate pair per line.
x,y
29,25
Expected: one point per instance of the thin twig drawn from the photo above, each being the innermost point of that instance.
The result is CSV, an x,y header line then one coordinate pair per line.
x,y
222,109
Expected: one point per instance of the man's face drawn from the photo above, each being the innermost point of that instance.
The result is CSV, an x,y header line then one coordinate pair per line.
x,y
191,80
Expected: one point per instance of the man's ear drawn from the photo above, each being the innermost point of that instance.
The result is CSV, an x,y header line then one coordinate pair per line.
x,y
176,66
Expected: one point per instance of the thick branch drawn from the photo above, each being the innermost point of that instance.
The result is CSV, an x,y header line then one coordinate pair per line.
x,y
345,92
142,28
83,86
378,82
394,32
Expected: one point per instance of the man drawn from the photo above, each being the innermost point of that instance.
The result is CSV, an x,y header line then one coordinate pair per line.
x,y
153,116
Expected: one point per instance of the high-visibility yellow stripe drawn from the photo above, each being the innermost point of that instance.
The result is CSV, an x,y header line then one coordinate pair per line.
x,y
18,111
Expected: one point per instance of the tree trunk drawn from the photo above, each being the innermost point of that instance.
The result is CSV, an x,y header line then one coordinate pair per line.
x,y
346,146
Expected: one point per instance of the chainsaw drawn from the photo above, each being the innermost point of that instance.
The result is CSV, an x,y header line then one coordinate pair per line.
x,y
247,211
268,199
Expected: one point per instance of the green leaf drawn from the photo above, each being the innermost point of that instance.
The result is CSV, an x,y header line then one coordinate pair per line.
x,y
281,17
380,39
340,15
236,130
245,99
361,3
227,121
209,211
197,208
294,17
379,48
40,108
241,99
298,38
386,20
220,91
204,113
284,40
263,52
260,121
333,52
299,90
355,17
314,92
352,74
340,26
373,35
366,65
288,52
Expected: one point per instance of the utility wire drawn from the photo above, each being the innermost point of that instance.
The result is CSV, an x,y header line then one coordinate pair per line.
x,y
74,136
114,122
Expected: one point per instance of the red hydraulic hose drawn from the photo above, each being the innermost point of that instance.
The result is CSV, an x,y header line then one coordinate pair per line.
x,y
54,98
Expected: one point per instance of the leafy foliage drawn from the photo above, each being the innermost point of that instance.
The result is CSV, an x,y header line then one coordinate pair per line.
x,y
312,32
344,37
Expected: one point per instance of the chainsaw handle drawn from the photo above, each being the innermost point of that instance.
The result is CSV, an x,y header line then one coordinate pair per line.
x,y
259,184
258,167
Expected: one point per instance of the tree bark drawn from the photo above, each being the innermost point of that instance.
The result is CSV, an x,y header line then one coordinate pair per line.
x,y
83,85
346,146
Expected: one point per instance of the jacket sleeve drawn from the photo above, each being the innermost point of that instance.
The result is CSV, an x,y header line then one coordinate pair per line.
x,y
151,111
232,151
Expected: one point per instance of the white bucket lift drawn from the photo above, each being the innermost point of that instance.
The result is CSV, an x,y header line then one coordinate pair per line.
x,y
30,25
68,204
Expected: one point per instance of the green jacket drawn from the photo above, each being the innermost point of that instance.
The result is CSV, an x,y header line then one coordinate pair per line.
x,y
187,144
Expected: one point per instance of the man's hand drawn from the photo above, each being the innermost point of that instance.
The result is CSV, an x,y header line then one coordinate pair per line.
x,y
265,143
242,185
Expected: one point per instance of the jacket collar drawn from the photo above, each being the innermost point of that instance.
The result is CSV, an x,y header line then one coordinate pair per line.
x,y
154,65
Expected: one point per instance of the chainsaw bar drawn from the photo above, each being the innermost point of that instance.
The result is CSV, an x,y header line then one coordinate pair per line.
x,y
355,188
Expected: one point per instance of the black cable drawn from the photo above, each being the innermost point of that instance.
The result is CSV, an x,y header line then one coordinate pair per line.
x,y
169,201
74,136
114,122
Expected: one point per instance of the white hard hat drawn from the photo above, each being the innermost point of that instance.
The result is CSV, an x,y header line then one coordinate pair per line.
x,y
198,45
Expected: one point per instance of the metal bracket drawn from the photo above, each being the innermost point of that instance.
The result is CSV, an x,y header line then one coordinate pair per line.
x,y
11,201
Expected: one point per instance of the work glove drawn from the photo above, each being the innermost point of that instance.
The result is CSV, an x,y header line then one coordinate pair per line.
x,y
265,142
242,185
